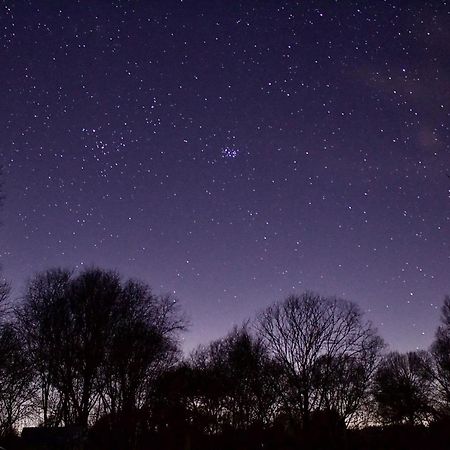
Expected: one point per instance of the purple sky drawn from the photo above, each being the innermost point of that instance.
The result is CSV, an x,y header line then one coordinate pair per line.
x,y
233,152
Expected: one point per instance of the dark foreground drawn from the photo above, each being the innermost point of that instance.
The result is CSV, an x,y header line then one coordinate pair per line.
x,y
403,437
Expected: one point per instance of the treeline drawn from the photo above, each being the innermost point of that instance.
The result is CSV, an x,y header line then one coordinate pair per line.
x,y
94,351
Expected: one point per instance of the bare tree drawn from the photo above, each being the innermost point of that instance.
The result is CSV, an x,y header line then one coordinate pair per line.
x,y
143,345
15,373
440,349
343,382
95,343
40,325
235,382
403,388
306,332
66,321
16,388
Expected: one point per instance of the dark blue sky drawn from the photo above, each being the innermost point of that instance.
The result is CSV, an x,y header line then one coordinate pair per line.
x,y
233,152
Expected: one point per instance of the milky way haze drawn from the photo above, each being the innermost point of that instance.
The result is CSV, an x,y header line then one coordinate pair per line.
x,y
233,152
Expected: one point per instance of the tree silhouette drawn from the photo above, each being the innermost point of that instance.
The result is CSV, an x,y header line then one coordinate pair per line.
x,y
236,382
143,345
343,382
95,343
440,350
91,350
403,388
309,336
16,387
41,326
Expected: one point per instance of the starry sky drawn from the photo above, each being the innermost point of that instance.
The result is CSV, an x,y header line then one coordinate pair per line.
x,y
233,152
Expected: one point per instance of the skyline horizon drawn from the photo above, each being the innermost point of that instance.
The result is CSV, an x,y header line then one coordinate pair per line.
x,y
190,345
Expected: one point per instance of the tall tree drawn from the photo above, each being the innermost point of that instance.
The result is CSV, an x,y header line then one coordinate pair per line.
x,y
94,342
343,382
143,344
41,327
309,331
235,380
16,387
403,388
440,349
87,315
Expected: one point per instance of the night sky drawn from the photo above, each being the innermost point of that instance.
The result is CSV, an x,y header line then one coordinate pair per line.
x,y
233,152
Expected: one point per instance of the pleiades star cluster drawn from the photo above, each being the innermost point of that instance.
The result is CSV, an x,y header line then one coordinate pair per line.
x,y
233,152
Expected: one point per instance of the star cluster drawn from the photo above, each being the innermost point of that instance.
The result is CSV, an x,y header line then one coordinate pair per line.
x,y
233,152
